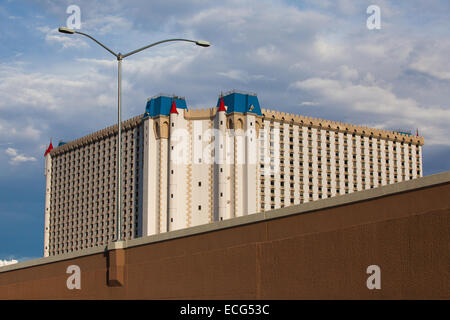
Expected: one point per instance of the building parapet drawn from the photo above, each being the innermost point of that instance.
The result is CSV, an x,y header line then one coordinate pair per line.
x,y
200,114
340,127
96,136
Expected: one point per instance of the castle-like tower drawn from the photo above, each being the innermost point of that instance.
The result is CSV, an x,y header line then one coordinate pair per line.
x,y
199,165
184,167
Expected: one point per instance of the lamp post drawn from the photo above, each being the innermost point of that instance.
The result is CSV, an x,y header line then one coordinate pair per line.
x,y
119,58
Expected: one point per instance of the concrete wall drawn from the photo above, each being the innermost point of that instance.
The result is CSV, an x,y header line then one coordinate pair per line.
x,y
318,250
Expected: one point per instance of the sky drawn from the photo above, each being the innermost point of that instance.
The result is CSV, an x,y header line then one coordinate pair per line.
x,y
314,58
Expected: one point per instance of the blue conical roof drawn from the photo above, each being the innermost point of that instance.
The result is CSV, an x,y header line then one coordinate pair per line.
x,y
161,104
243,102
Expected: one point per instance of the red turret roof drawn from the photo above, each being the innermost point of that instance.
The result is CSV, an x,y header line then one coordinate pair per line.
x,y
174,107
221,106
50,148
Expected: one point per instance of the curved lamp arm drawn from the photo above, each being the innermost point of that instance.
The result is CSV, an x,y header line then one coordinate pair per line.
x,y
199,43
120,56
98,42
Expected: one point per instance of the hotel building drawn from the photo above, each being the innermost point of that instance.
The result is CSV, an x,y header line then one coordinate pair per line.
x,y
184,167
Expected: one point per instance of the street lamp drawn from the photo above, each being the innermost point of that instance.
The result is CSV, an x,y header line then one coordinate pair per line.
x,y
119,58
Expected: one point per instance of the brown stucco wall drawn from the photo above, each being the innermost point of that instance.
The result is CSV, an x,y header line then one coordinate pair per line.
x,y
319,254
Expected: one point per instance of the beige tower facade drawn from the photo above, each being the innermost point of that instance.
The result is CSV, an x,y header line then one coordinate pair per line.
x,y
184,167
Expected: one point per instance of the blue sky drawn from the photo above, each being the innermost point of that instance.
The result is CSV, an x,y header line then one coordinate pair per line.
x,y
315,58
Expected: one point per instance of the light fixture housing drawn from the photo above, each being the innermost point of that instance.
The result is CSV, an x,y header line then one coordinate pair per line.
x,y
202,43
66,30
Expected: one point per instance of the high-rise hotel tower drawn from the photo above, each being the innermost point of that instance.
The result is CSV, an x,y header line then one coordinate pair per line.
x,y
185,167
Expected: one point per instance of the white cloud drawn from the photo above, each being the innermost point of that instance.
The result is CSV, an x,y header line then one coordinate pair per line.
x,y
308,103
235,75
7,262
328,49
264,23
432,65
347,7
16,158
383,106
433,60
107,24
241,76
52,36
267,54
18,131
20,89
348,73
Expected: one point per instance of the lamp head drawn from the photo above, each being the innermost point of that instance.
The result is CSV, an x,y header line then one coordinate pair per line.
x,y
202,43
66,30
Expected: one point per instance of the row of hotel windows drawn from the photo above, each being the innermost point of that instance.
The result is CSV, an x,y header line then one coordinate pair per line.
x,y
89,230
60,171
60,233
86,182
99,150
345,167
336,175
338,161
362,155
320,195
354,148
89,155
319,133
84,203
73,245
94,188
97,194
60,208
365,181
328,153
88,214
100,178
340,169
291,199
78,214
345,144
